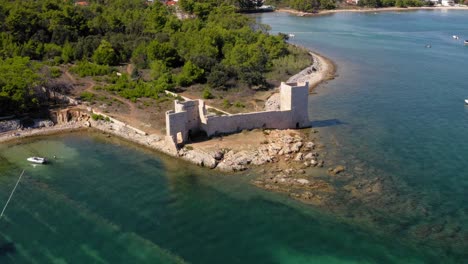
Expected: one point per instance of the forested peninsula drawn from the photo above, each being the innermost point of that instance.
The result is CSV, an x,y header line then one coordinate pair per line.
x,y
162,47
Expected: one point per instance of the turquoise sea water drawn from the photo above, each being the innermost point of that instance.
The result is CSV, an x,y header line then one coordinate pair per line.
x,y
105,201
396,109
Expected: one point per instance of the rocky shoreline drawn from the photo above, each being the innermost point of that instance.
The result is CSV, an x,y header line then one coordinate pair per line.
x,y
286,145
42,131
79,117
284,156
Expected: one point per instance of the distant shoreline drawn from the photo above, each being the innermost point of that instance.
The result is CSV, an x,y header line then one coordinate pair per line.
x,y
367,10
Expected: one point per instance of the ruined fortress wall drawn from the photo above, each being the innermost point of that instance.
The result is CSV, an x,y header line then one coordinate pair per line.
x,y
235,123
190,116
175,123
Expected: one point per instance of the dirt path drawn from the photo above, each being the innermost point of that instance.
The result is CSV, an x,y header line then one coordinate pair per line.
x,y
130,118
89,88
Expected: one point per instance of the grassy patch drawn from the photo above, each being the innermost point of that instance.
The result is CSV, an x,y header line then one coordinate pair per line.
x,y
87,96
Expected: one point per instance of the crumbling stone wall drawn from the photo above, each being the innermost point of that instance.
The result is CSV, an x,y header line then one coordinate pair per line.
x,y
190,116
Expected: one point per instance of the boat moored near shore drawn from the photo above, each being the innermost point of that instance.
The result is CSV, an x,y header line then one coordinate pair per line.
x,y
38,160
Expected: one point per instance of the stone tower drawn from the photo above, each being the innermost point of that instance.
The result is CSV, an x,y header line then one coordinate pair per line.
x,y
294,97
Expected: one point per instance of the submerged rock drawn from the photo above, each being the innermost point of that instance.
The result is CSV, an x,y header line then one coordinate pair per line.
x,y
336,170
303,181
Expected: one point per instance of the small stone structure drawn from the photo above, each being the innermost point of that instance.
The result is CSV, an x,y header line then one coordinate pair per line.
x,y
64,116
190,117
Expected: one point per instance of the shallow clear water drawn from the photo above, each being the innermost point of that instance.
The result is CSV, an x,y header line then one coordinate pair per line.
x,y
395,109
105,201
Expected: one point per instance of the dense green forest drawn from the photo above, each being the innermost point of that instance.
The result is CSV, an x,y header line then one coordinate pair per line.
x,y
214,45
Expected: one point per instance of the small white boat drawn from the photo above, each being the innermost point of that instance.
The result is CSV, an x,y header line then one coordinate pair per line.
x,y
465,42
37,160
455,37
291,35
466,101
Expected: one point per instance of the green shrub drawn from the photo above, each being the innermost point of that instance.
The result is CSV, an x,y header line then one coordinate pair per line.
x,y
55,72
207,94
97,117
226,103
86,68
239,105
105,54
87,96
190,74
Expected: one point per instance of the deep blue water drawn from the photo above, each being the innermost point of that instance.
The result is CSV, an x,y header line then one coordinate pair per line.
x,y
395,109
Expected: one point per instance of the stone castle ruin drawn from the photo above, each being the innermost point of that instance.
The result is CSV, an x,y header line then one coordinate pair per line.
x,y
190,117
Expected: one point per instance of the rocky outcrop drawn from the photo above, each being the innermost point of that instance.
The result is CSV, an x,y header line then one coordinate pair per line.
x,y
282,145
64,116
237,161
199,157
10,125
39,123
